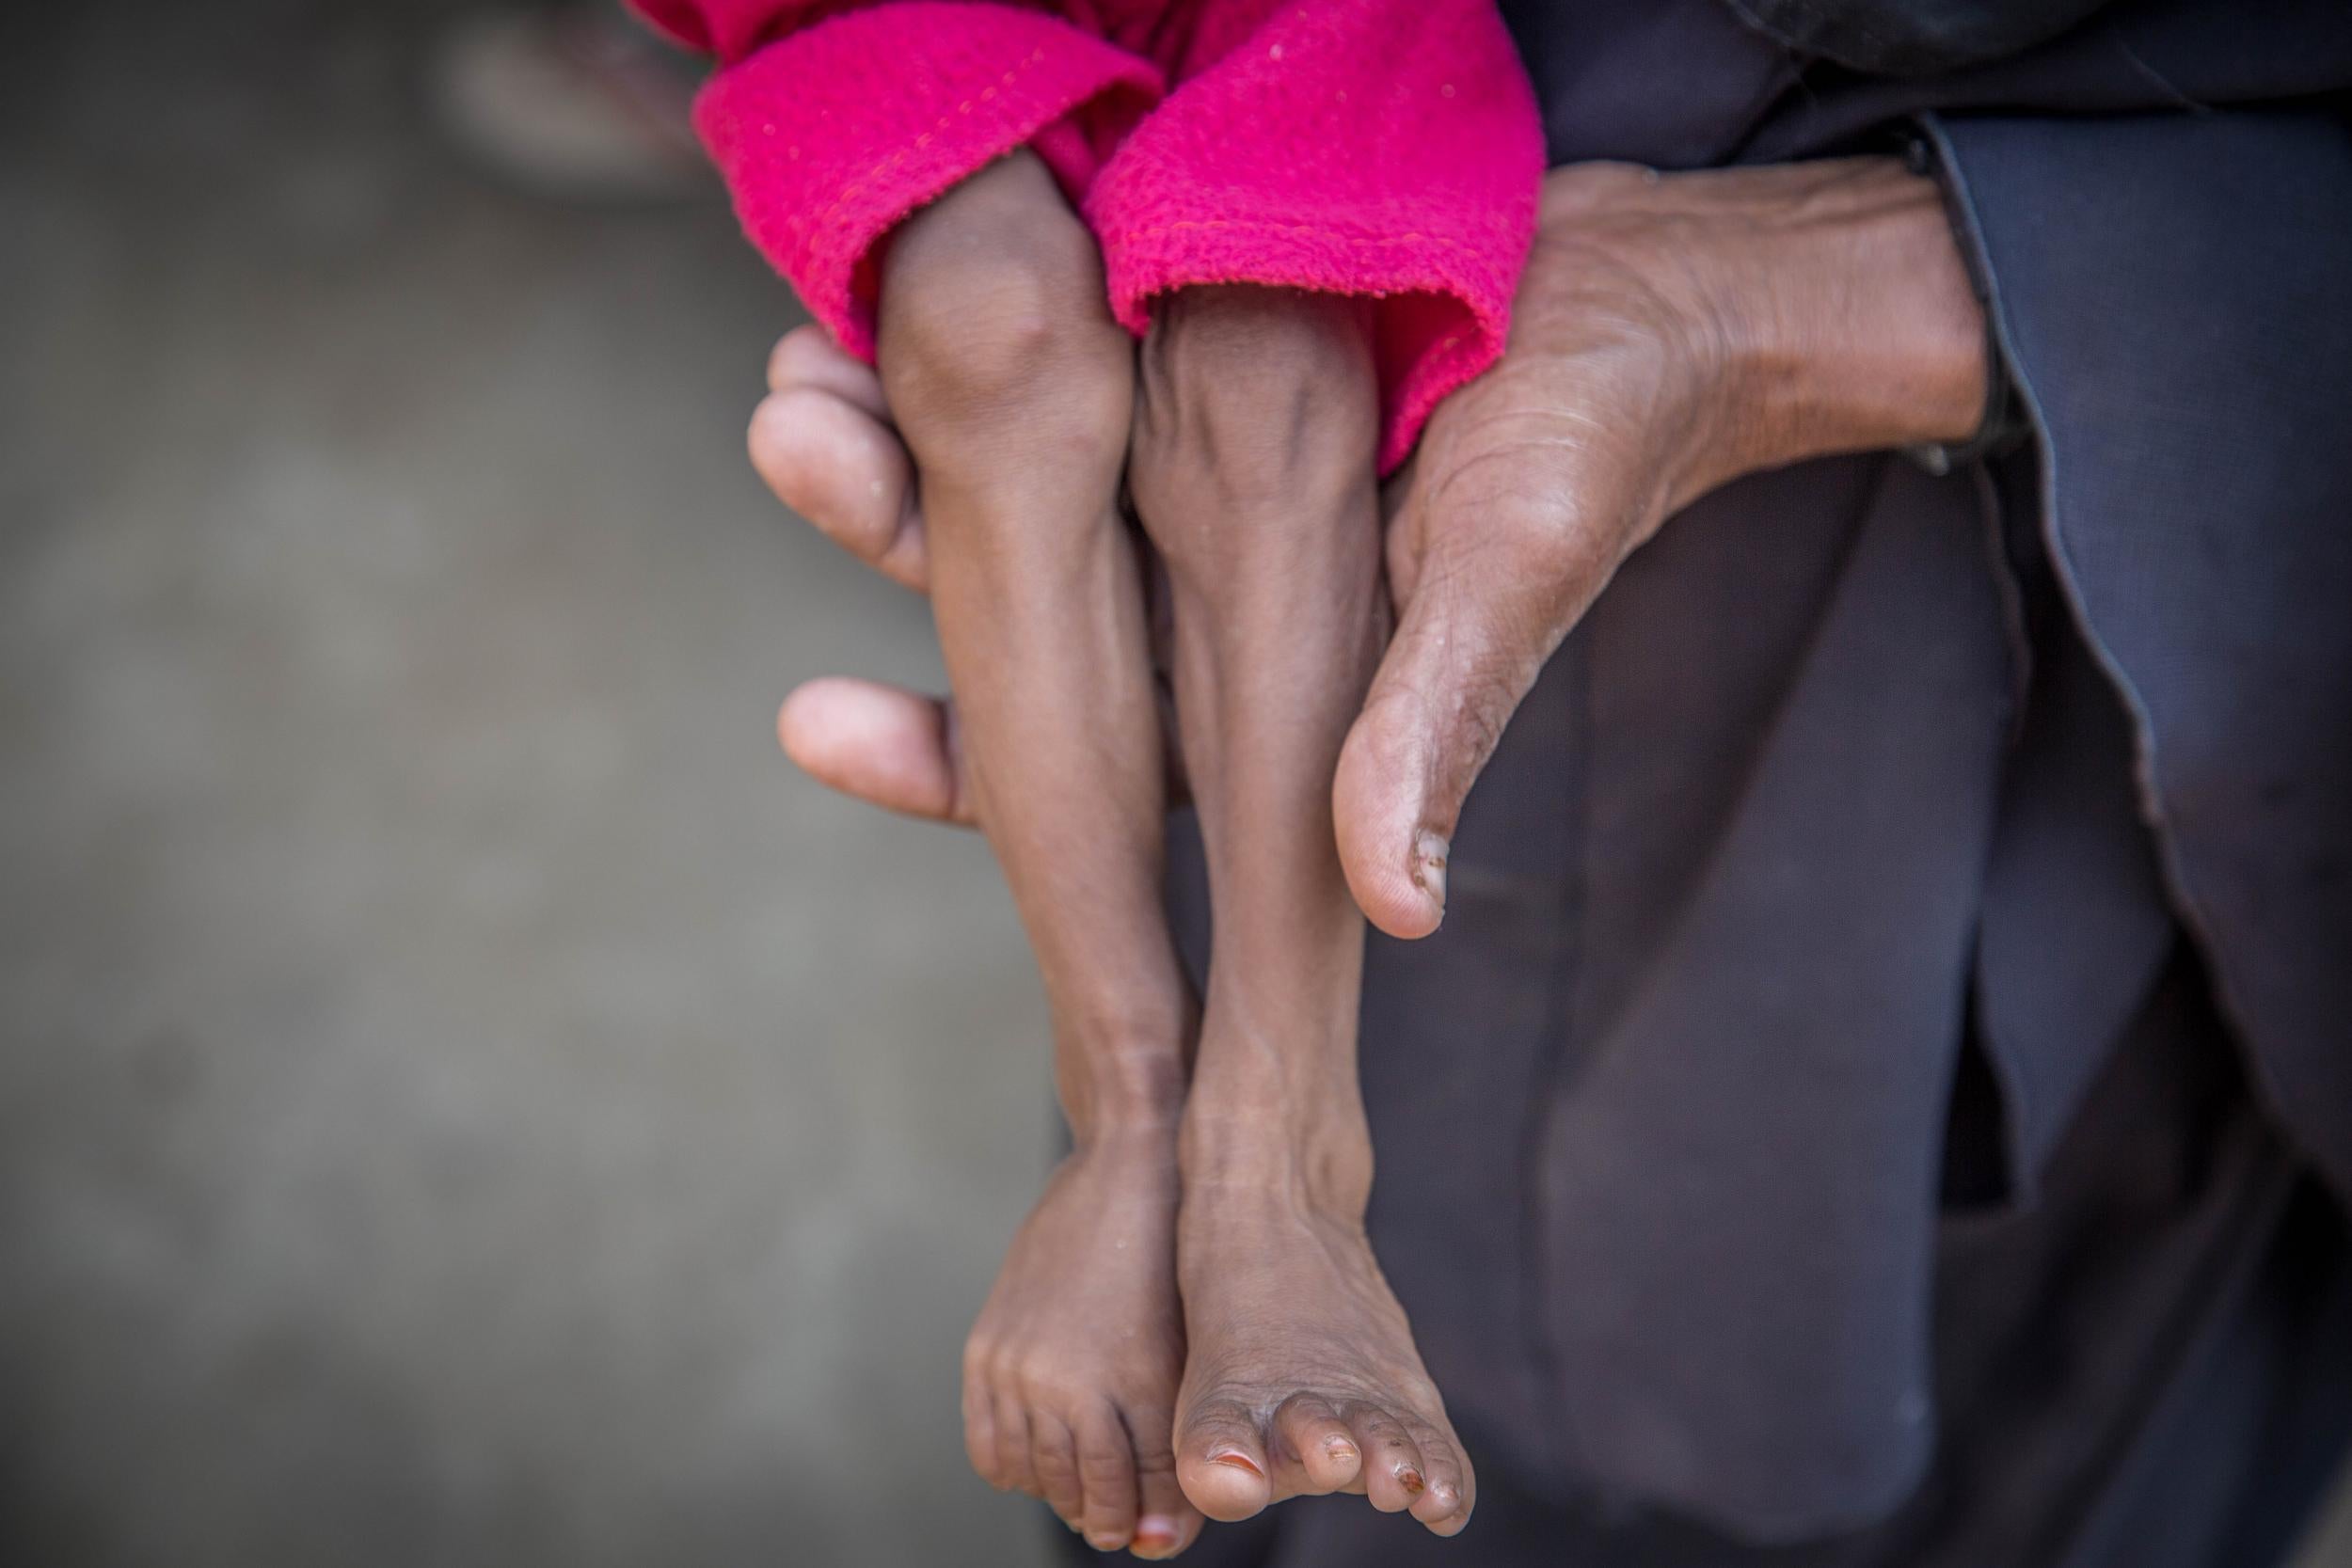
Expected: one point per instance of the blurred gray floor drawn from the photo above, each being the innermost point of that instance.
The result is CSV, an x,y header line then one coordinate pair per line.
x,y
462,1098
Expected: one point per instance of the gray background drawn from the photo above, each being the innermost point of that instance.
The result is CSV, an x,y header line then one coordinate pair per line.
x,y
462,1098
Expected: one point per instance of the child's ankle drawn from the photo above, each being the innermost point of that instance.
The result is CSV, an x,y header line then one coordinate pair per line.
x,y
1125,1090
1312,1160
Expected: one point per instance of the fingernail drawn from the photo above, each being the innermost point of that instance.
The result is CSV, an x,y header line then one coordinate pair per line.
x,y
1429,857
1410,1479
1237,1459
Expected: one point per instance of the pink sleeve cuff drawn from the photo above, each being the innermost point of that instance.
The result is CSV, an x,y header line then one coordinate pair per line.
x,y
1383,148
1446,309
830,137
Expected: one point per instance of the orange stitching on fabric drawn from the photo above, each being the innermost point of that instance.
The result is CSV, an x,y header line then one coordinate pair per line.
x,y
824,219
1133,234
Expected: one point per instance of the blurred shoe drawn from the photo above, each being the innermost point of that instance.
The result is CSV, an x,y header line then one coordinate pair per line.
x,y
573,101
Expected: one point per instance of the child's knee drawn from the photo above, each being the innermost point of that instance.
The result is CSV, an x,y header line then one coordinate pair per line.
x,y
996,330
1250,402
996,348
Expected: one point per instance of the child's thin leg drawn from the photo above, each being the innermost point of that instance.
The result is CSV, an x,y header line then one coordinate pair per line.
x,y
1253,467
1013,388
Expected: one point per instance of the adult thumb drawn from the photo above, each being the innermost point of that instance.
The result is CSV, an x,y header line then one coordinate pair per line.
x,y
1482,617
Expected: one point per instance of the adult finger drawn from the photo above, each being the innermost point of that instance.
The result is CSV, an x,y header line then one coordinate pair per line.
x,y
1498,587
891,747
808,356
822,444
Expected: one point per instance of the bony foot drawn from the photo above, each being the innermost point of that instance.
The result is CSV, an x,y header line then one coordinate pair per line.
x,y
1302,1377
1070,1375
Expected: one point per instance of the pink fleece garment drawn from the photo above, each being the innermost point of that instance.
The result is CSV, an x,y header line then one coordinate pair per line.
x,y
1382,148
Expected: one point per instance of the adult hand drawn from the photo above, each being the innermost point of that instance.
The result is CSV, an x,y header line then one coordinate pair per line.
x,y
1672,333
823,440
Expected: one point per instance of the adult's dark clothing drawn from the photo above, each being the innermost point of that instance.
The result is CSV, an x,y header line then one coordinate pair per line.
x,y
1895,1007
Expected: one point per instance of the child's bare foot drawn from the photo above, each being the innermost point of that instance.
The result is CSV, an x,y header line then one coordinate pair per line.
x,y
1070,1375
1302,1377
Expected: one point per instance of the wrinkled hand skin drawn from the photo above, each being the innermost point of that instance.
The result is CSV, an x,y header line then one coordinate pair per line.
x,y
1671,334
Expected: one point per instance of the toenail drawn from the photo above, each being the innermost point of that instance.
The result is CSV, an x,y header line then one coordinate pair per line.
x,y
1446,1495
1155,1534
1107,1541
1340,1448
1238,1460
1409,1478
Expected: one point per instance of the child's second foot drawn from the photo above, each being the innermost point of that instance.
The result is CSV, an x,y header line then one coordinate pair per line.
x,y
1302,1377
1070,1375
